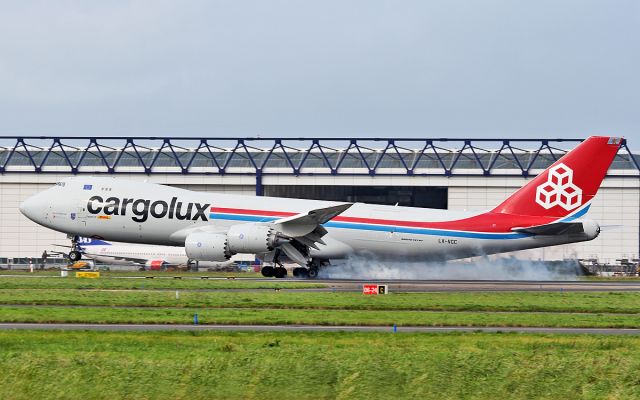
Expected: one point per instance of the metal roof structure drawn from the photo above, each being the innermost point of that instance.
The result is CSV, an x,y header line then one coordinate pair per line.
x,y
298,156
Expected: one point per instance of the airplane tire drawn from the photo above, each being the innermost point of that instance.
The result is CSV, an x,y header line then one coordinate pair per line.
x,y
313,272
280,272
267,272
300,272
75,256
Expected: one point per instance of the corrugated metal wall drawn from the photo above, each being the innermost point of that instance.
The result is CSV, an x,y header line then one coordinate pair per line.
x,y
617,203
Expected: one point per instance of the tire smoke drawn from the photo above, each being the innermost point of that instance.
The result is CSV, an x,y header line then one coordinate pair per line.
x,y
478,268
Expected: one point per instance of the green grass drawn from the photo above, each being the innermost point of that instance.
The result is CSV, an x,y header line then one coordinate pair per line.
x,y
539,309
311,317
210,365
585,302
127,283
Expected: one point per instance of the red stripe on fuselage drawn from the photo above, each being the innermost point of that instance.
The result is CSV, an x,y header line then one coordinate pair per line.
x,y
487,222
261,213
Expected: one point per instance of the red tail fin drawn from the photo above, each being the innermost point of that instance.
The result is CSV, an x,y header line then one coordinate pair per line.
x,y
568,184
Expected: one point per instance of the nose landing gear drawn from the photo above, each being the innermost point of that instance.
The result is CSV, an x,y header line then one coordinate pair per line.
x,y
74,254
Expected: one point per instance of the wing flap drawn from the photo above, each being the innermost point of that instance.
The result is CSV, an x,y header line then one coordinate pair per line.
x,y
293,254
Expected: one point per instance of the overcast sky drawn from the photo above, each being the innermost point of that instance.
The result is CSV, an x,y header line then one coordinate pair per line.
x,y
321,68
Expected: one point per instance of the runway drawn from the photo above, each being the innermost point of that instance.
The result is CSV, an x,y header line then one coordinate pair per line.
x,y
316,328
399,285
396,285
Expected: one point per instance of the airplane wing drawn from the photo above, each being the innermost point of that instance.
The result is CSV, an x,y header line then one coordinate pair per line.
x,y
302,224
556,228
307,229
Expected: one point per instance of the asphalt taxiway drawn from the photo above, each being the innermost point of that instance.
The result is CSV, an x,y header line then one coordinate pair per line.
x,y
491,286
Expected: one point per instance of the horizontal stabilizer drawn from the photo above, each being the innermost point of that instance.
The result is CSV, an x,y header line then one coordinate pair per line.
x,y
556,228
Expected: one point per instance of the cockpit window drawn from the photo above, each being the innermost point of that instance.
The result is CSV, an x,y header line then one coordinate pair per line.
x,y
61,184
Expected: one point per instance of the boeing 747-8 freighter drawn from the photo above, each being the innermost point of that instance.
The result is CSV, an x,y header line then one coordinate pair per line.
x,y
549,210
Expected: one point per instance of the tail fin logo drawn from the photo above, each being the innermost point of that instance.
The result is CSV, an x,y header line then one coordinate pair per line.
x,y
559,190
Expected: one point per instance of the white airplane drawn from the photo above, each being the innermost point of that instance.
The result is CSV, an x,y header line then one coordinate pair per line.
x,y
547,211
150,257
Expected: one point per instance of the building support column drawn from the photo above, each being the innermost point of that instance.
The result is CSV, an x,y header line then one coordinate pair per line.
x,y
259,189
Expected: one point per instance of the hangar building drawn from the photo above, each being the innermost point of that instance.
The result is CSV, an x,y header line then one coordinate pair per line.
x,y
439,173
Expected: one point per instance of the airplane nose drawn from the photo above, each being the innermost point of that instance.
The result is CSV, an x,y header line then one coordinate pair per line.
x,y
34,208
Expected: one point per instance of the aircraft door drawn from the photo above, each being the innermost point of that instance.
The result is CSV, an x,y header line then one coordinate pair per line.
x,y
81,215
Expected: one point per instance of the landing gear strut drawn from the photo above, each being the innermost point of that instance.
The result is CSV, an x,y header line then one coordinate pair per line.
x,y
278,271
74,254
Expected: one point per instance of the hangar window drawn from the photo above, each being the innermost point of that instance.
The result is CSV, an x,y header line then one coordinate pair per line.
x,y
411,196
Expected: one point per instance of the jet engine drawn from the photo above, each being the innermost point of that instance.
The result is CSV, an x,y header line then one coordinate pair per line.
x,y
243,238
253,238
154,265
204,246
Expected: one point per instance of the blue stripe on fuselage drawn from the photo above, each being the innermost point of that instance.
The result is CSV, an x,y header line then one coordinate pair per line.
x,y
382,228
577,214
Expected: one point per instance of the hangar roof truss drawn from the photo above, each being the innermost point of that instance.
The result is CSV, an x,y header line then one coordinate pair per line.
x,y
297,156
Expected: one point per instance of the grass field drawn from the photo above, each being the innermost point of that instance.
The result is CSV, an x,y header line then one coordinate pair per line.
x,y
575,302
536,309
209,365
312,317
111,300
325,365
156,283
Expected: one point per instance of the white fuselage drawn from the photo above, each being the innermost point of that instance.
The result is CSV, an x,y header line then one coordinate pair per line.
x,y
125,254
85,206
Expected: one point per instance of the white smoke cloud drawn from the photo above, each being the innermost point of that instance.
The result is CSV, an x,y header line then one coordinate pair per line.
x,y
478,268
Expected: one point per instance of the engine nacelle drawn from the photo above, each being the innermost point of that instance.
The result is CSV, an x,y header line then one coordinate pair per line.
x,y
154,265
252,238
204,246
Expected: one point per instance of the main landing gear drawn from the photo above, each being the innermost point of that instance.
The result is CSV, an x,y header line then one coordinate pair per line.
x,y
74,254
278,271
300,272
311,271
269,271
